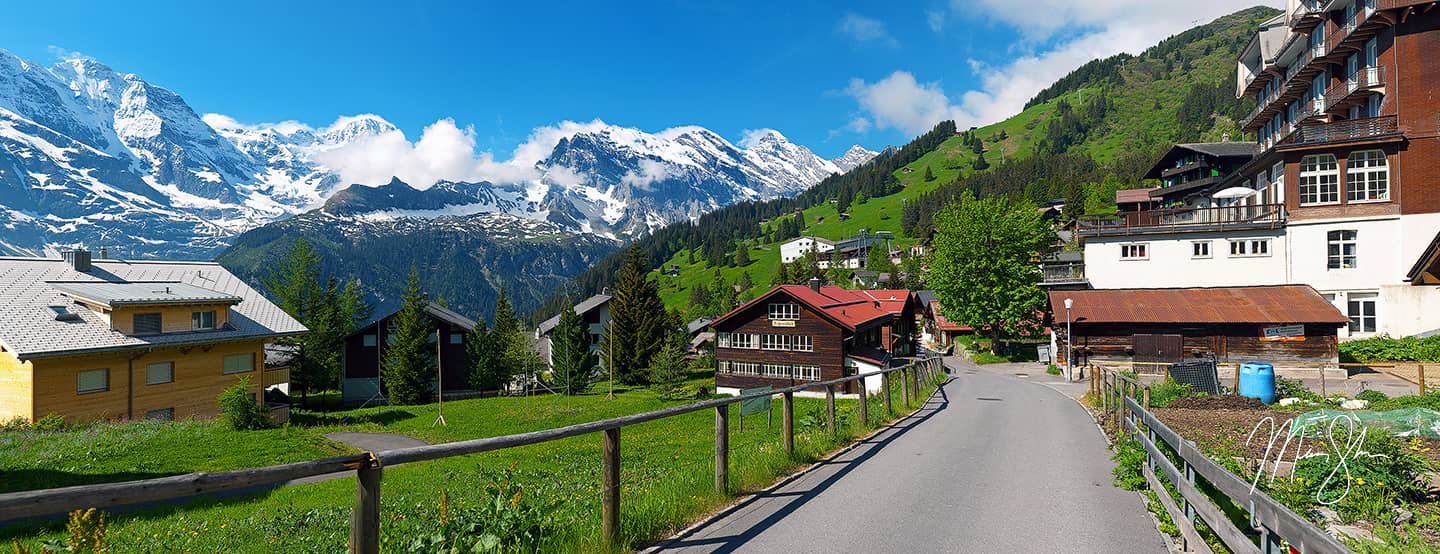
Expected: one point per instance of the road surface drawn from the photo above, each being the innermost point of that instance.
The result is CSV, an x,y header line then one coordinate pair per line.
x,y
992,463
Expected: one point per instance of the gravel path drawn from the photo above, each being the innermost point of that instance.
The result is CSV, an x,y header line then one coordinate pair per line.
x,y
992,463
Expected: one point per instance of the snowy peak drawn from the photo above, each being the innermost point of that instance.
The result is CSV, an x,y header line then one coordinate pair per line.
x,y
854,157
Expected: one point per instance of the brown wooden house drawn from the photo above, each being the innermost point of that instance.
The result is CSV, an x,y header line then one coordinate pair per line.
x,y
798,333
1285,325
360,382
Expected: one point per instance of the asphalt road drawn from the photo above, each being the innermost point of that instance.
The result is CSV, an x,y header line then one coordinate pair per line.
x,y
993,463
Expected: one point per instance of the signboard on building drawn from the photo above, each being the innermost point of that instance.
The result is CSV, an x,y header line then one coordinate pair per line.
x,y
1278,333
782,323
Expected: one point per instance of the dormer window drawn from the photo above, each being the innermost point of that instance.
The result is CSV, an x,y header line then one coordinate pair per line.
x,y
147,324
784,311
202,321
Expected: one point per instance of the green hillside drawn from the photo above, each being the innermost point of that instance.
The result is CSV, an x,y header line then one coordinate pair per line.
x,y
1092,132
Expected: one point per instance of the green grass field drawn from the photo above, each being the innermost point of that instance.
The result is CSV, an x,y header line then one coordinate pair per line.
x,y
666,472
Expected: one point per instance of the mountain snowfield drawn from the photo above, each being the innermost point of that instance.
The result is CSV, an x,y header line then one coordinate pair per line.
x,y
90,156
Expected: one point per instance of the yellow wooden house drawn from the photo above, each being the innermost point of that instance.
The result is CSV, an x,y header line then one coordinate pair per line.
x,y
117,339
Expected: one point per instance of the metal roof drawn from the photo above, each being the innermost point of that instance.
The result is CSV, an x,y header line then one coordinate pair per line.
x,y
848,308
580,309
1227,149
143,293
1278,304
29,327
1133,195
698,325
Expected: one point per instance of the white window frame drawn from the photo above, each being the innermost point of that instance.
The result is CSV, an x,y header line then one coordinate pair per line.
x,y
784,311
1249,248
167,377
80,387
1336,243
804,343
1129,251
1319,180
198,323
1367,177
1359,300
1198,245
1277,181
225,367
749,341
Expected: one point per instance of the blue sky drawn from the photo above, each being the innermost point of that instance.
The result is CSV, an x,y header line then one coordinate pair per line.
x,y
827,75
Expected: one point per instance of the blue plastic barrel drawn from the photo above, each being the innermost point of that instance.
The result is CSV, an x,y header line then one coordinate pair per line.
x,y
1257,380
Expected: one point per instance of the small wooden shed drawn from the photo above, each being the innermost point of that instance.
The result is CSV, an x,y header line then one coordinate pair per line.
x,y
1284,325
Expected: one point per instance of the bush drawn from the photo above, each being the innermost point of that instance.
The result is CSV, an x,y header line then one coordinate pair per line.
x,y
1372,396
509,518
1130,460
1163,394
1290,388
1053,369
240,410
1386,349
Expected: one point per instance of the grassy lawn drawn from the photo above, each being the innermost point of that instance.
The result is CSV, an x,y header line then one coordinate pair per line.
x,y
666,471
977,348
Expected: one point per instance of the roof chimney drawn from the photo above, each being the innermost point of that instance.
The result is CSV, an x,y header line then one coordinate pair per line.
x,y
814,283
103,253
79,259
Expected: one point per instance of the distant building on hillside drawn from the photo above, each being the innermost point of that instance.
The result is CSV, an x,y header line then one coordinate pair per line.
x,y
365,350
594,312
793,249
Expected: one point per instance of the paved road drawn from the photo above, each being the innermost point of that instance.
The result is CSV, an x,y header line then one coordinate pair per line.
x,y
993,463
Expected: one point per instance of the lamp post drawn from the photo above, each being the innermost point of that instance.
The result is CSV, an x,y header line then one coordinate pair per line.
x,y
1069,343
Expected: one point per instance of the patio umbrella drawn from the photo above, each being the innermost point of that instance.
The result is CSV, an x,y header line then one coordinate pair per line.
x,y
1234,192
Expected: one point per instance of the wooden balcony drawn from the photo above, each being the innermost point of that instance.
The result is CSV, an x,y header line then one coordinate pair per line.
x,y
1184,219
1341,131
1072,273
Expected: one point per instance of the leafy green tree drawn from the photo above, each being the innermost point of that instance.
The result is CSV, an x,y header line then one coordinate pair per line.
x,y
722,295
574,365
913,269
637,321
878,259
241,412
408,370
982,267
508,346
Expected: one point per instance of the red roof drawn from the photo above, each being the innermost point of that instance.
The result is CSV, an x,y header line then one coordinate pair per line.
x,y
943,324
1131,196
848,308
1273,304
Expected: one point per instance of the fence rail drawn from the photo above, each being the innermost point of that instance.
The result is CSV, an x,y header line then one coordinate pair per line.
x,y
365,516
1271,521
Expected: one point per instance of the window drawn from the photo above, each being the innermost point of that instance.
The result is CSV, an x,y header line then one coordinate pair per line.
x,y
803,344
1319,180
736,340
1366,177
1200,249
1341,249
239,363
1249,248
202,321
784,311
368,340
1361,308
457,338
92,380
159,373
807,372
1277,176
774,342
1134,251
147,324
163,414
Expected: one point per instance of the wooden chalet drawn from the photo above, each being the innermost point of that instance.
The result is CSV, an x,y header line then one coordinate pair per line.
x,y
941,331
1285,325
365,348
798,333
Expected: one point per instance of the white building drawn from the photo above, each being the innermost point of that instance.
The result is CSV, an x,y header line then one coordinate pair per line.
x,y
793,249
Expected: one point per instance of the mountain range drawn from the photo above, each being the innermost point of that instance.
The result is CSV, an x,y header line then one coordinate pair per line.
x,y
94,157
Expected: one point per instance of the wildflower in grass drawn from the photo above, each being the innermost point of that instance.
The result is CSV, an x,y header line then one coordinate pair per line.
x,y
1360,480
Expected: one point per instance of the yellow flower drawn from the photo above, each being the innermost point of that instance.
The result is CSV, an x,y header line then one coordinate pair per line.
x,y
1360,480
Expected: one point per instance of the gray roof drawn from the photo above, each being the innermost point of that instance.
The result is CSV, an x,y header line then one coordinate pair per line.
x,y
435,310
143,293
30,329
1227,149
580,309
698,325
925,296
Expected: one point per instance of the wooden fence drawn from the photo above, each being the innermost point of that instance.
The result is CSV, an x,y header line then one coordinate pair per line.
x,y
1269,521
365,516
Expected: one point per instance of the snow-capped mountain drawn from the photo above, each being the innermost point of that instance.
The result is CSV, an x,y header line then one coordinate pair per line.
x,y
91,156
854,157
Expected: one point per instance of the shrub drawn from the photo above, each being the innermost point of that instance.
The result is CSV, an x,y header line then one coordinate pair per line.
x,y
1290,388
1130,464
1386,349
1163,394
1372,396
86,531
1053,369
240,410
509,518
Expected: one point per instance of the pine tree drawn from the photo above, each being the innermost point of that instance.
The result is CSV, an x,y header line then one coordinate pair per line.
x,y
636,320
980,164
507,342
668,367
408,370
574,365
929,175
481,358
742,257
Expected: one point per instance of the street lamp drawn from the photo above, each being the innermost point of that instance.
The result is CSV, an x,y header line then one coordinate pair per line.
x,y
1069,343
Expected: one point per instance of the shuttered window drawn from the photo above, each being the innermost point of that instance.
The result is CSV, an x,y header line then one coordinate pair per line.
x,y
159,373
239,363
147,324
92,380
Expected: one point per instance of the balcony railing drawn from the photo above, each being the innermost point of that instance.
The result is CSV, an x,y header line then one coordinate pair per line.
x,y
1066,273
1338,131
1185,219
1366,78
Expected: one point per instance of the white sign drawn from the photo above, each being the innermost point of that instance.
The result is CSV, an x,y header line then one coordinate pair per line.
x,y
782,323
1282,333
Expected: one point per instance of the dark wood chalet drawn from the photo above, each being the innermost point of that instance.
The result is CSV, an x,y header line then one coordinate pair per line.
x,y
798,333
360,360
1286,325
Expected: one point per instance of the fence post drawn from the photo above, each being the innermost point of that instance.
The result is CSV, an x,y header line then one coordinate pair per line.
x,y
864,405
722,449
1420,371
885,382
365,518
905,386
1147,397
830,408
610,488
787,422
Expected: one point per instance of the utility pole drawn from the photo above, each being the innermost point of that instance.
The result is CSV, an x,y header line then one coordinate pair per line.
x,y
610,359
439,379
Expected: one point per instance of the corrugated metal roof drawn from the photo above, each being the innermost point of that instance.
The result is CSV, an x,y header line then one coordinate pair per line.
x,y
1133,195
28,327
1271,304
944,324
849,308
162,292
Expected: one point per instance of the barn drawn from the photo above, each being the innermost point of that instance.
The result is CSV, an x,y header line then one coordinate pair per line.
x,y
1290,326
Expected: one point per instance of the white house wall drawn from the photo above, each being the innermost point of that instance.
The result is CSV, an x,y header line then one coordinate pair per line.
x,y
1170,263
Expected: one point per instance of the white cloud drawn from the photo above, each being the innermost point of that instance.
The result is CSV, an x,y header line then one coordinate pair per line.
x,y
858,125
867,30
749,137
935,19
1102,28
444,152
649,173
